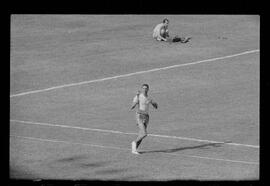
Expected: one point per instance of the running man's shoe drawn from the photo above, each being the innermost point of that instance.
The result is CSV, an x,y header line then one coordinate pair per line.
x,y
135,152
133,148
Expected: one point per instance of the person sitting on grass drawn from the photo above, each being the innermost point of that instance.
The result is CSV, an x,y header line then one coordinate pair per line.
x,y
160,32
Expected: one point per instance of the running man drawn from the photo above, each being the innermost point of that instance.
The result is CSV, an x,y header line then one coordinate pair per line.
x,y
142,116
160,32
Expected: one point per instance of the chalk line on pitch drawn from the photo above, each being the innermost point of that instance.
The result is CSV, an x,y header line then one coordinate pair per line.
x,y
131,74
129,133
125,149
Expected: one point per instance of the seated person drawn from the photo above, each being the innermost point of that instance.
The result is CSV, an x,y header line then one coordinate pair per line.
x,y
160,32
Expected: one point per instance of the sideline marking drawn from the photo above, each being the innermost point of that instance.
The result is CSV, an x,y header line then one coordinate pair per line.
x,y
130,74
129,133
125,149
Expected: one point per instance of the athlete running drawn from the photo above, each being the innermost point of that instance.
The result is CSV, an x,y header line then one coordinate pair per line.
x,y
142,115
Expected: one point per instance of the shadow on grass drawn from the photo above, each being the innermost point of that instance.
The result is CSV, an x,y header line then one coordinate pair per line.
x,y
131,178
71,159
110,171
82,162
93,165
21,173
184,148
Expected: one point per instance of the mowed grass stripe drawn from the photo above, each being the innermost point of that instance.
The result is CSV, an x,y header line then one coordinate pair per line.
x,y
130,133
126,149
131,74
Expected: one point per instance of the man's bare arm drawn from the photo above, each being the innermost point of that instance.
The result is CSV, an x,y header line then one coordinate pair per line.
x,y
162,38
165,30
154,104
133,106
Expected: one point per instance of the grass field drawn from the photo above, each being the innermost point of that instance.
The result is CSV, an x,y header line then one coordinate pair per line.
x,y
73,78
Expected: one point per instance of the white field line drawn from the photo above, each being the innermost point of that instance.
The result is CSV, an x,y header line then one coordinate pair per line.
x,y
125,149
131,74
129,133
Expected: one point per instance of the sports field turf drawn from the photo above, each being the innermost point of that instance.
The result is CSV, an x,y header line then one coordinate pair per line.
x,y
73,78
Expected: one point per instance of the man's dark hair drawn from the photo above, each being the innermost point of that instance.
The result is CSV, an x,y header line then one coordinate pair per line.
x,y
146,85
164,20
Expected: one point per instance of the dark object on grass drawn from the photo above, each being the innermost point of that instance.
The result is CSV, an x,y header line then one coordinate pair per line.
x,y
180,39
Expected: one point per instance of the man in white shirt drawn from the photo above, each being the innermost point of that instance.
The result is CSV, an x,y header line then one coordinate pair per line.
x,y
142,115
160,32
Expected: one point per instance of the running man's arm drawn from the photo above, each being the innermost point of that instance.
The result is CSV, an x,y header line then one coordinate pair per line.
x,y
154,104
135,101
133,105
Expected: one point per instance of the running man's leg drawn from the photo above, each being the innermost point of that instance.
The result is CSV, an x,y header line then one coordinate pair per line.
x,y
142,134
142,121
